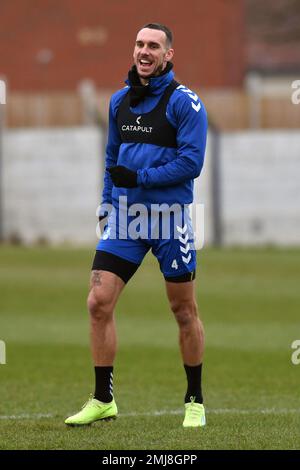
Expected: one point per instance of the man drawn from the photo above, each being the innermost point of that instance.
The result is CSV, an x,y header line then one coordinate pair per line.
x,y
156,146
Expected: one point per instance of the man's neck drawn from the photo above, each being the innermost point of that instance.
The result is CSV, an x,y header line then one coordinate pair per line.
x,y
144,81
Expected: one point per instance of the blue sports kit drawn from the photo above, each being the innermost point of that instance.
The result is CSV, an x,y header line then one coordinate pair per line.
x,y
162,141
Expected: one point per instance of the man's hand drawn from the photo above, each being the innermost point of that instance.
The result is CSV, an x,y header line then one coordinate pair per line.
x,y
122,177
102,222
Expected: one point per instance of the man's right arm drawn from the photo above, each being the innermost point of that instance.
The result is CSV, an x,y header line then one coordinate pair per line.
x,y
112,151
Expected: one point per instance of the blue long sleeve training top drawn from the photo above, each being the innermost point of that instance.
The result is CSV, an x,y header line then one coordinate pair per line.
x,y
164,174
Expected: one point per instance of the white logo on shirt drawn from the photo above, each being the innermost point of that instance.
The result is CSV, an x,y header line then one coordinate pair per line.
x,y
192,95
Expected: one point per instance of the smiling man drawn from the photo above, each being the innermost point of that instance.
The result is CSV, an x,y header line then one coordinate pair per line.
x,y
152,52
155,149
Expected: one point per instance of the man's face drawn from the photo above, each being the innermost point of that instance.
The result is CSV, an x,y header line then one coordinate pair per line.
x,y
151,53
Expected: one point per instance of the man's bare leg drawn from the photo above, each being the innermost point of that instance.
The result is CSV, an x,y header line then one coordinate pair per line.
x,y
191,333
104,292
105,289
191,340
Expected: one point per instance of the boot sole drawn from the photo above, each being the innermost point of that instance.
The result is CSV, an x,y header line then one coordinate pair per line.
x,y
77,425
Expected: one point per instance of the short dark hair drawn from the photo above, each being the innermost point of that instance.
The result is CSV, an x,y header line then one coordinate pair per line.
x,y
161,27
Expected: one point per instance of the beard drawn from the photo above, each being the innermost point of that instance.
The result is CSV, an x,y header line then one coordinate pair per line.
x,y
159,69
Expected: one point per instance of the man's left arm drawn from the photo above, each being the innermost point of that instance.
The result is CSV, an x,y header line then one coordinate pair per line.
x,y
191,120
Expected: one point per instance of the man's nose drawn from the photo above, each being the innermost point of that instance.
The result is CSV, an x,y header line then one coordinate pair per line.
x,y
145,49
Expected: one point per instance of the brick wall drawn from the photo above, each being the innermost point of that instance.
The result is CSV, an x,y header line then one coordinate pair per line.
x,y
52,45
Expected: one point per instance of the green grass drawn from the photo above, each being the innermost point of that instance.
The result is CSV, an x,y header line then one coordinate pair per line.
x,y
249,300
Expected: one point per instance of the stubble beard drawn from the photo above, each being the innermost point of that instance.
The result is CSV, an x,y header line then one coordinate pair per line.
x,y
156,72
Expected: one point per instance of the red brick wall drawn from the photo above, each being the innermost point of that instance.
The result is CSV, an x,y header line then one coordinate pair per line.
x,y
94,39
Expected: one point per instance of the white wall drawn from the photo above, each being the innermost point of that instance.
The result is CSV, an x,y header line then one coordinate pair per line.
x,y
51,184
260,174
203,195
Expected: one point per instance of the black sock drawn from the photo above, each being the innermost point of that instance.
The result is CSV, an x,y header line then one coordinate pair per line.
x,y
104,383
193,375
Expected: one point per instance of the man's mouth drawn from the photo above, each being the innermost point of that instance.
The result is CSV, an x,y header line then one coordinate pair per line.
x,y
145,63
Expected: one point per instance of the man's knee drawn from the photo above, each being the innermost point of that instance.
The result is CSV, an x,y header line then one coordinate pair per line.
x,y
100,304
185,312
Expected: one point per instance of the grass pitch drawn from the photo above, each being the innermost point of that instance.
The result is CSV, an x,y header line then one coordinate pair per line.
x,y
249,300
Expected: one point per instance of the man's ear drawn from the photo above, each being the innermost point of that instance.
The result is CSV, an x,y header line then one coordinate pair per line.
x,y
169,55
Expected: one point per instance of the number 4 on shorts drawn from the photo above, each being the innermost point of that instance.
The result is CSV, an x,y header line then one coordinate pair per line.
x,y
174,264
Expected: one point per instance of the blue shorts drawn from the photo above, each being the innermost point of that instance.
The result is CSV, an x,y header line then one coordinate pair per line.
x,y
170,238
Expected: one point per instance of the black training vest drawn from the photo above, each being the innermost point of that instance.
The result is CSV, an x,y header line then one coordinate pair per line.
x,y
148,128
